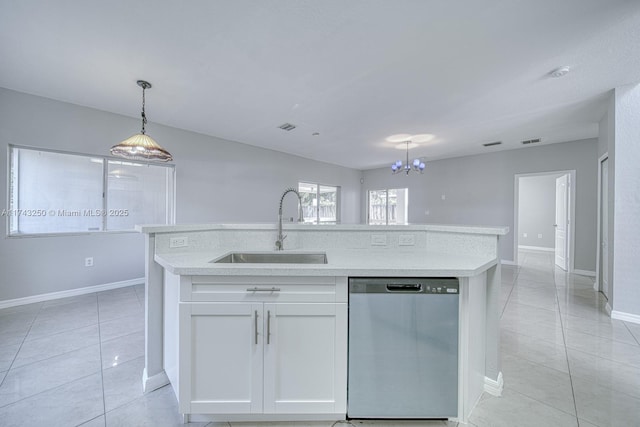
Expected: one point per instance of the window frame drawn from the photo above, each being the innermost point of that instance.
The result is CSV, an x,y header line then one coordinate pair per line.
x,y
170,196
386,192
338,201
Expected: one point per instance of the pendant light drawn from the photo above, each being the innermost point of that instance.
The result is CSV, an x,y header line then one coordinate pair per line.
x,y
141,146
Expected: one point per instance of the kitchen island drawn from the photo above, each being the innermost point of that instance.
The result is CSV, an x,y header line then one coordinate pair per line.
x,y
197,309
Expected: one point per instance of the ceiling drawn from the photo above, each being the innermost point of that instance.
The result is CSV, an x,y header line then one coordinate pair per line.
x,y
357,71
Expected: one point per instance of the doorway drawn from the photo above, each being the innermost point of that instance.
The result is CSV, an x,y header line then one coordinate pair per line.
x,y
544,215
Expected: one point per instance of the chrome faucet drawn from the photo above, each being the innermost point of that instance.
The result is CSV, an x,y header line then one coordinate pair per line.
x,y
281,237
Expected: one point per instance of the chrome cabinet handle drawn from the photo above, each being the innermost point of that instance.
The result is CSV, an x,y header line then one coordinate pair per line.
x,y
257,289
268,326
255,325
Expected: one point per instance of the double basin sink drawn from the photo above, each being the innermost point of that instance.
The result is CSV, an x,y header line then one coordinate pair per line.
x,y
272,258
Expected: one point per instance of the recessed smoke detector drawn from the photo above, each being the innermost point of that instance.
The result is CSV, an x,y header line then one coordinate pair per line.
x,y
530,141
560,72
491,144
287,126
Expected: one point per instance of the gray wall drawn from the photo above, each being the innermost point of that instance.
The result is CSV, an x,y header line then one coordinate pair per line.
x,y
480,190
537,211
626,203
217,181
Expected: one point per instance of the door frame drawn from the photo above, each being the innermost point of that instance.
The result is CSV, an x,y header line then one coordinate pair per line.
x,y
572,211
597,285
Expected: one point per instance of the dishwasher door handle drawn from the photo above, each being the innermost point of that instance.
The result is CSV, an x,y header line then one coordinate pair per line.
x,y
417,287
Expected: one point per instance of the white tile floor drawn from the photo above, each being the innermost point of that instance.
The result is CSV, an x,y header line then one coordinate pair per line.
x,y
78,361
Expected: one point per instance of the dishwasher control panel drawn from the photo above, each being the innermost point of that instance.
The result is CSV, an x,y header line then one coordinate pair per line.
x,y
404,285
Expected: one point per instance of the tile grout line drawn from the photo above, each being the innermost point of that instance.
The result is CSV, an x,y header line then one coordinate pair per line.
x,y
566,353
48,390
20,346
104,404
627,327
513,285
542,365
48,336
42,391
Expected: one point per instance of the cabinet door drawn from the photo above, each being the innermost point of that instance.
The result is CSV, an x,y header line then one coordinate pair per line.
x,y
305,358
221,366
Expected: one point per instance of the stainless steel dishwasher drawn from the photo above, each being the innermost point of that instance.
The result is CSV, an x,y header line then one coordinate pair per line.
x,y
403,348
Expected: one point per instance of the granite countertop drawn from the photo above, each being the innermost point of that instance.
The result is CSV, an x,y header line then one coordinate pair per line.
x,y
341,262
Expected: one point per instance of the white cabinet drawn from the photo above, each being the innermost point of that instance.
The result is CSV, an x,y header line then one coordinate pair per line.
x,y
257,355
220,358
303,363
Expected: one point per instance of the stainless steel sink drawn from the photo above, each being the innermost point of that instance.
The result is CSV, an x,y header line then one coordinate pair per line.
x,y
272,258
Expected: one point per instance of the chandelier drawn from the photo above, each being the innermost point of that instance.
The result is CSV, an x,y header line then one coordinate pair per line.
x,y
141,146
416,166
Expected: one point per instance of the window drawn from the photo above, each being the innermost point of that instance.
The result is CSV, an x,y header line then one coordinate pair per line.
x,y
388,207
53,192
320,203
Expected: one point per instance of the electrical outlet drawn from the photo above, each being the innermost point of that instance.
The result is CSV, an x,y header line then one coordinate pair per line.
x,y
427,212
178,242
443,197
524,234
539,236
378,240
406,240
88,262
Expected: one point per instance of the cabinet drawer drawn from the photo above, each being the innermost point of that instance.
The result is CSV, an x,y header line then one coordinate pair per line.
x,y
268,289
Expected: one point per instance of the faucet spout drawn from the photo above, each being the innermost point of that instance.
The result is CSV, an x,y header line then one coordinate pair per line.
x,y
281,236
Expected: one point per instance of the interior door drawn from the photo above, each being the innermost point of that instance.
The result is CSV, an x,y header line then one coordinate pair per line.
x,y
562,221
604,227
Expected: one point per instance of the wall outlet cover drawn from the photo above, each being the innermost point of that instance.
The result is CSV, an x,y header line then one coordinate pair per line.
x,y
407,240
178,242
378,240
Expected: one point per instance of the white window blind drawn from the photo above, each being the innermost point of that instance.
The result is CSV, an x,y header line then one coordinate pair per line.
x,y
53,192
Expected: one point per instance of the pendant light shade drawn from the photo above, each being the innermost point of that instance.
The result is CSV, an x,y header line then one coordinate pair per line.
x,y
141,146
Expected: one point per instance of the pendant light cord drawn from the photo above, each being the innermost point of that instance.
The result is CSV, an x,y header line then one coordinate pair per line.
x,y
144,117
407,164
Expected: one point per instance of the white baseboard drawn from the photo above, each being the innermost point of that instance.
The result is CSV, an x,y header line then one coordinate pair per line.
x,y
153,382
494,387
584,272
507,262
69,293
536,248
627,317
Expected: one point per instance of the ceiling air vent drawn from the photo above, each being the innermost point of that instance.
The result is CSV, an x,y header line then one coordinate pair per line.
x,y
491,144
530,141
287,126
